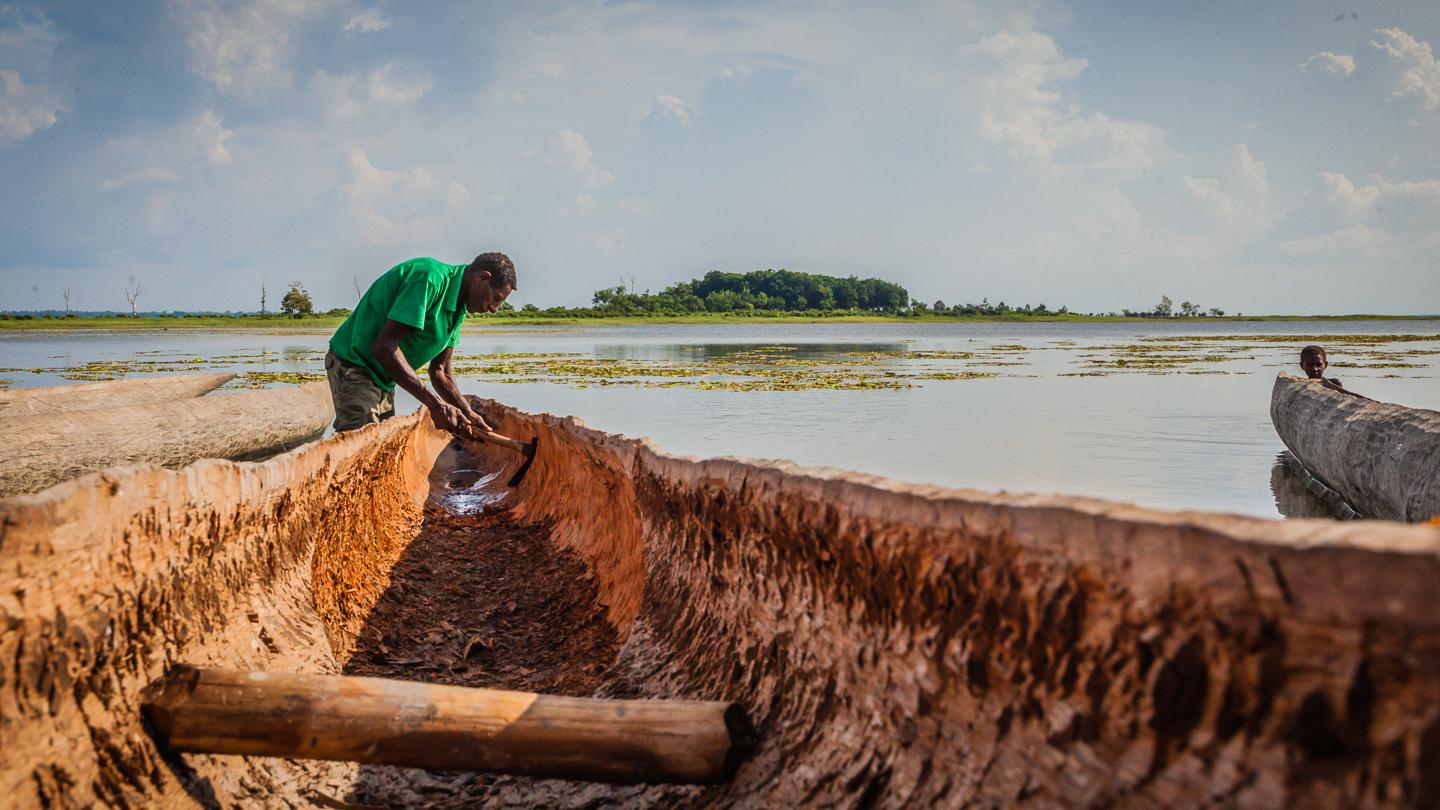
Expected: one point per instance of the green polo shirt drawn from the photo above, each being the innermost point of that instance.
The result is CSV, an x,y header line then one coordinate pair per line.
x,y
423,293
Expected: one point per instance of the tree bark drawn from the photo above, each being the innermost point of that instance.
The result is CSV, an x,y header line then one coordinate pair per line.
x,y
384,722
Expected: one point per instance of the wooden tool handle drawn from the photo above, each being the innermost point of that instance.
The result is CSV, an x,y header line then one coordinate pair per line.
x,y
498,438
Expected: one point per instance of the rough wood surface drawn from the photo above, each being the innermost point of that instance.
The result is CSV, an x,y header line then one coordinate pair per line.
x,y
897,645
1383,459
40,451
107,394
388,722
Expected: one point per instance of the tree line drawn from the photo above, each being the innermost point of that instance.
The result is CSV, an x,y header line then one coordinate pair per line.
x,y
758,292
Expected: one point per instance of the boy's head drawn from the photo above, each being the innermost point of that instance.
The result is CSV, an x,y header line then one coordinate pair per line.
x,y
1313,361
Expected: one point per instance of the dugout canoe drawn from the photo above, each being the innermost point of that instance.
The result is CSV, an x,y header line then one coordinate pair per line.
x,y
42,450
107,394
1382,459
896,645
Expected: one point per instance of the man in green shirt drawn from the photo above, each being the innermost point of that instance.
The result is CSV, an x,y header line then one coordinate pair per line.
x,y
411,316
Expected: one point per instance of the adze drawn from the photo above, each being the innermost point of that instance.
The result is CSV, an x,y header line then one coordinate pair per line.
x,y
526,449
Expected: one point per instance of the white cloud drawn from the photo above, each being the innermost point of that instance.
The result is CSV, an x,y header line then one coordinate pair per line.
x,y
141,177
1206,191
388,85
168,157
397,205
456,194
368,21
29,101
1419,71
1339,191
1330,65
1345,240
1340,215
1417,200
672,108
1027,116
348,94
1238,200
575,156
24,110
243,48
211,136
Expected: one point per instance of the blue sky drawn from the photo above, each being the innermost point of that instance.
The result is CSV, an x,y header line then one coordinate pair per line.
x,y
1279,158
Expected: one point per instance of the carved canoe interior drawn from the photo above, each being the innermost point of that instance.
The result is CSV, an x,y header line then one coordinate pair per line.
x,y
895,645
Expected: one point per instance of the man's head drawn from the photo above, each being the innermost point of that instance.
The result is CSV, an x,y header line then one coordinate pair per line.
x,y
1313,361
489,280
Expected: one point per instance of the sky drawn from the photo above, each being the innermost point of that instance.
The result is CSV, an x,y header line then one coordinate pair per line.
x,y
1279,157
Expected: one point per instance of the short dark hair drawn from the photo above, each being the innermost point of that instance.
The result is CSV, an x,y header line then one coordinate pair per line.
x,y
1314,351
500,268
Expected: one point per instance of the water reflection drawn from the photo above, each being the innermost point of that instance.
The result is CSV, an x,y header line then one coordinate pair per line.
x,y
1299,495
468,492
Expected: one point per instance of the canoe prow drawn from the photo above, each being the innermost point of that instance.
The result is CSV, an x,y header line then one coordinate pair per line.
x,y
40,451
107,394
1383,459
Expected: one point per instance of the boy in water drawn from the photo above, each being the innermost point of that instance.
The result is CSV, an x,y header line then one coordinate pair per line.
x,y
1314,362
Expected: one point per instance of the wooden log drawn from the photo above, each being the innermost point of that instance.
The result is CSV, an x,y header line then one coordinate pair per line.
x,y
107,394
40,451
387,722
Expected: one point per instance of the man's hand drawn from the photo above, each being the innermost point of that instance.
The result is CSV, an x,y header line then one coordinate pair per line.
x,y
444,383
477,421
449,418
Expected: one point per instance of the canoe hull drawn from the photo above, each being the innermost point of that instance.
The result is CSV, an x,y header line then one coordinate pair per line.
x,y
107,394
41,451
1383,459
896,645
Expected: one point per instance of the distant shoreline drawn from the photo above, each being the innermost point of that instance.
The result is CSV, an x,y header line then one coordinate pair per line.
x,y
481,323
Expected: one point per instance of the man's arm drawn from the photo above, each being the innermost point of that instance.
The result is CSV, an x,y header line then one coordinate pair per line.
x,y
387,353
444,383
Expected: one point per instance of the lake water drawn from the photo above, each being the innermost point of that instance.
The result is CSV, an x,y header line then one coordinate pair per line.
x,y
1172,415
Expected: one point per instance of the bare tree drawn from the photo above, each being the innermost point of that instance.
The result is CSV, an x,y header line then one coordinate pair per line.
x,y
359,293
132,292
66,293
262,297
